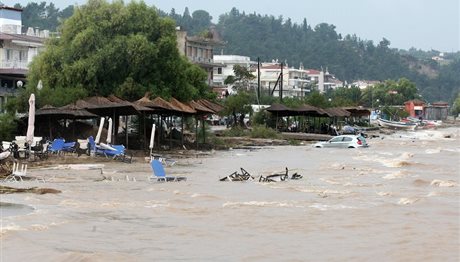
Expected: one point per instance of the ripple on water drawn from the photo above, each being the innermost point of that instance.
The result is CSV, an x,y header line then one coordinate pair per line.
x,y
12,209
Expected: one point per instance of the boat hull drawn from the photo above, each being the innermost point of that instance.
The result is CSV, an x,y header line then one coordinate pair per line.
x,y
396,125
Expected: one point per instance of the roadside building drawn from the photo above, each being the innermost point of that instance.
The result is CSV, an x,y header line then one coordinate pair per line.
x,y
296,82
437,111
200,50
415,108
17,49
225,69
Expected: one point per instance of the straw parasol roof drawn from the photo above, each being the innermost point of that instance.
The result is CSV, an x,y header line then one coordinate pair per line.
x,y
102,106
336,112
309,110
186,109
77,112
211,105
280,109
357,111
139,108
200,109
65,112
160,105
144,101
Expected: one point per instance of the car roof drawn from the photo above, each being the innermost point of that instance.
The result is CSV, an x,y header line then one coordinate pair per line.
x,y
352,136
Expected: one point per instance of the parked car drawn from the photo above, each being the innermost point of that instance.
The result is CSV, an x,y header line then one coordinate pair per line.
x,y
344,141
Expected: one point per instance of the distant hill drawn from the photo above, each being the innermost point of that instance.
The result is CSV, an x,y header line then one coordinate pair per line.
x,y
348,57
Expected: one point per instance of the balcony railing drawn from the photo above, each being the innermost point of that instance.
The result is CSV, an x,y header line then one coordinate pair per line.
x,y
8,91
14,64
201,59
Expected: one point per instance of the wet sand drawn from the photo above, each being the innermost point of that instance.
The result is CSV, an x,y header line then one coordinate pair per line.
x,y
397,200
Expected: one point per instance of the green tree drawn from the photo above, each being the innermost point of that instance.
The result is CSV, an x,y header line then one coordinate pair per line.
x,y
238,104
456,106
390,93
317,99
107,48
242,78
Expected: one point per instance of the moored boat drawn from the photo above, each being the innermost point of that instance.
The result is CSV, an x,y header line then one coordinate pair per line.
x,y
396,124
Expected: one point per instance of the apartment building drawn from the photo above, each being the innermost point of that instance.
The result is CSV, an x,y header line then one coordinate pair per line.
x,y
17,49
199,50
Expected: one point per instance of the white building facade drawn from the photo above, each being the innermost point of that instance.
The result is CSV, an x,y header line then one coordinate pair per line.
x,y
16,52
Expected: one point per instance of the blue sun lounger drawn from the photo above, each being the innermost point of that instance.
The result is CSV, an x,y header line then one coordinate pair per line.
x,y
159,173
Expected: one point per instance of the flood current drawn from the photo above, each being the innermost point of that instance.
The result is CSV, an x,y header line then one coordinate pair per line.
x,y
398,200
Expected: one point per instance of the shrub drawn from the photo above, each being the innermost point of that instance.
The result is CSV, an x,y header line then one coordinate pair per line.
x,y
259,131
7,127
235,131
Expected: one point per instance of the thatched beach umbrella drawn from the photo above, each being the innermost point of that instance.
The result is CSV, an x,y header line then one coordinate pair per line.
x,y
211,105
200,109
141,109
279,110
184,108
71,112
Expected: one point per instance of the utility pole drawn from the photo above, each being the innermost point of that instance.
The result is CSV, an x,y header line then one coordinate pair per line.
x,y
258,79
281,83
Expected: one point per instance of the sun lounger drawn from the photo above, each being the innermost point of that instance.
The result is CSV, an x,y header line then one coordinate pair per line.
x,y
117,152
57,146
159,173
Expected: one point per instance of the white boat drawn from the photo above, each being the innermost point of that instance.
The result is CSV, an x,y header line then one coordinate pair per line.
x,y
396,124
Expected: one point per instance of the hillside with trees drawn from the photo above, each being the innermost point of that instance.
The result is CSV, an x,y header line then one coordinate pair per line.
x,y
349,57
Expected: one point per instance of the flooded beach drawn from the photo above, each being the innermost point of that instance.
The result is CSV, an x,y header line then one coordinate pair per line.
x,y
398,200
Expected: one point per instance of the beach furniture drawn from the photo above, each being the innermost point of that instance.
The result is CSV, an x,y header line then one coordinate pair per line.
x,y
159,173
40,151
164,160
19,174
69,147
279,177
235,176
57,146
21,150
117,152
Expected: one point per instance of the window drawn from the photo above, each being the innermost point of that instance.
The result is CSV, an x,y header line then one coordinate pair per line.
x,y
9,54
219,70
22,55
347,139
336,139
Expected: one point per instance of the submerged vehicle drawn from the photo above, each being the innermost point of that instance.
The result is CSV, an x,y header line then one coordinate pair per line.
x,y
344,141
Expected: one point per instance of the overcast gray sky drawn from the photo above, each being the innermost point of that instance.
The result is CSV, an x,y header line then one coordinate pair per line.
x,y
423,24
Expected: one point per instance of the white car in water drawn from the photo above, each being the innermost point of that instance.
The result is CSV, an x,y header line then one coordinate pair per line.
x,y
344,141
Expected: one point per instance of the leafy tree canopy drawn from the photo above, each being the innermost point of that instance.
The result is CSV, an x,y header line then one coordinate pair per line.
x,y
107,48
241,79
239,104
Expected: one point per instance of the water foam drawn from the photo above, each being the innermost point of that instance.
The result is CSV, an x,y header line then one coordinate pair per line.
x,y
324,207
407,201
257,204
442,183
395,175
433,151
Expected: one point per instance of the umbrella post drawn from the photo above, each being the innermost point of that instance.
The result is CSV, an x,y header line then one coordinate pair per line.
x,y
126,130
